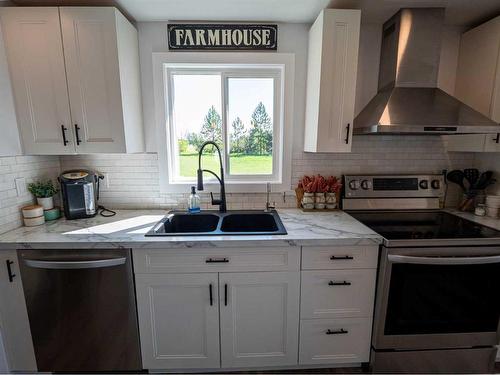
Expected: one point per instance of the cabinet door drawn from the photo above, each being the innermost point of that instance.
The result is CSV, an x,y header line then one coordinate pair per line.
x,y
36,63
178,320
14,323
91,53
331,81
259,318
492,143
477,66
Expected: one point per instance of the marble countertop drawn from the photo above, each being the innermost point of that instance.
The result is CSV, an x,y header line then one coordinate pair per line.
x,y
128,227
483,220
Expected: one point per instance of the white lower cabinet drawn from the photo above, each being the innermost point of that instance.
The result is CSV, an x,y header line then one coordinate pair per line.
x,y
243,312
337,298
325,341
14,323
180,327
178,321
259,318
337,293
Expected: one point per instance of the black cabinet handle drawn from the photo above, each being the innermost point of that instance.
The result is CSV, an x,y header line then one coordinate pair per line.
x,y
77,134
335,283
63,130
225,294
348,127
217,260
9,270
341,331
211,295
497,138
344,257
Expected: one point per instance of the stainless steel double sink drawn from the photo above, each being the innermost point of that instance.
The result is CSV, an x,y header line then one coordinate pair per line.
x,y
214,223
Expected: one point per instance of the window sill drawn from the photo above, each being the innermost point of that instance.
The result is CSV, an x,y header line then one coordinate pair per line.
x,y
231,187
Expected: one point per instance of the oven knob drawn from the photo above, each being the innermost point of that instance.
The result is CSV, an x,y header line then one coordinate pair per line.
x,y
424,184
354,184
366,184
436,184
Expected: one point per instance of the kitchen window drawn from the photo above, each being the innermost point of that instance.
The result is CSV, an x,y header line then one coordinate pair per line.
x,y
240,106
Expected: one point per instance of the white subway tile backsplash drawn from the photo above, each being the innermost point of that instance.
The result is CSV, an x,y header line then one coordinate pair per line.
x,y
134,179
29,167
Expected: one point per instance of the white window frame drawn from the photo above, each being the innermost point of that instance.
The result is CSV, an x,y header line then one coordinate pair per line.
x,y
278,66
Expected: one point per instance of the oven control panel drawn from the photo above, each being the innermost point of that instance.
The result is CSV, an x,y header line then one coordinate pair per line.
x,y
396,186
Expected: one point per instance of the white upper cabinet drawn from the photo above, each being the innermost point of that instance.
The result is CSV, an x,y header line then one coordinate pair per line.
x,y
36,63
75,77
10,143
478,83
102,64
331,80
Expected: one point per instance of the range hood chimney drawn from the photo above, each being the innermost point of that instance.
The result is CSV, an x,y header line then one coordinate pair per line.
x,y
408,100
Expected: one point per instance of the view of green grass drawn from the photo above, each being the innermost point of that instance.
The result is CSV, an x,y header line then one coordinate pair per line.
x,y
239,164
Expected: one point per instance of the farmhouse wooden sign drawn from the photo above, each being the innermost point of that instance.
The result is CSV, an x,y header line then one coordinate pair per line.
x,y
222,37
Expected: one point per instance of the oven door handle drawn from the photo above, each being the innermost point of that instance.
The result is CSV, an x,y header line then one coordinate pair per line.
x,y
443,260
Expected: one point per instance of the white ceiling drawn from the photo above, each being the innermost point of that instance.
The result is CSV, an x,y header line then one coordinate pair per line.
x,y
458,12
224,10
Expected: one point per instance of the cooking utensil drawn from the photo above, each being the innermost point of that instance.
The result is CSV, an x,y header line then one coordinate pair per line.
x,y
457,177
484,181
471,175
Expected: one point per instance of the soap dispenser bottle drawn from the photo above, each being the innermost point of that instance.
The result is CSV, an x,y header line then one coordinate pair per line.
x,y
194,201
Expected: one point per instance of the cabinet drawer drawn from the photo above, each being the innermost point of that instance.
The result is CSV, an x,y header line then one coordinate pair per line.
x,y
338,293
334,341
216,260
342,257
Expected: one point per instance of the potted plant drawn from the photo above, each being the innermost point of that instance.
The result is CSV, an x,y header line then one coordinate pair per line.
x,y
44,192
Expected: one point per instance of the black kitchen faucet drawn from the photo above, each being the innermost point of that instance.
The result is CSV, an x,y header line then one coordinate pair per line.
x,y
222,201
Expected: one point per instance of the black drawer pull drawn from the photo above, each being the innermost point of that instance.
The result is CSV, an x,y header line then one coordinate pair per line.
x,y
211,295
63,129
497,138
9,270
217,260
341,331
335,283
343,257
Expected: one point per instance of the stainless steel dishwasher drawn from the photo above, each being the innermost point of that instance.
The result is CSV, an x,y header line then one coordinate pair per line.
x,y
82,309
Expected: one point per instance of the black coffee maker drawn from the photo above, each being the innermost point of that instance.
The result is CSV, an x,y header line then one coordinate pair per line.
x,y
80,192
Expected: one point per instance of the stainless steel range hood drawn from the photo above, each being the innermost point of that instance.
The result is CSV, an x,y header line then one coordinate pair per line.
x,y
408,100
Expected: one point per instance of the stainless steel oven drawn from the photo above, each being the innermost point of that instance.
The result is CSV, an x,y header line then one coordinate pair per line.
x,y
437,307
437,297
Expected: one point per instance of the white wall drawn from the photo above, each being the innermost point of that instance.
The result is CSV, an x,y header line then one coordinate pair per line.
x,y
292,38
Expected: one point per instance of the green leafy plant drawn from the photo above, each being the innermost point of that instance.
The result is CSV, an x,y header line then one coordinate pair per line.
x,y
43,189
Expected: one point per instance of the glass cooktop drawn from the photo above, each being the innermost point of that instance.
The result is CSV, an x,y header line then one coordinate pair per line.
x,y
411,225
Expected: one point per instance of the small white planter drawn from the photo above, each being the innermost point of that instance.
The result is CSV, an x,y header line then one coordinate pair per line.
x,y
308,201
319,201
46,203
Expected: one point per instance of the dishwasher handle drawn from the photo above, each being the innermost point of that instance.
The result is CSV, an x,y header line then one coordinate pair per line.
x,y
73,265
